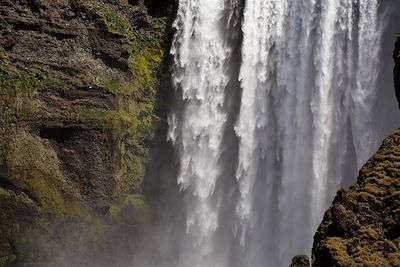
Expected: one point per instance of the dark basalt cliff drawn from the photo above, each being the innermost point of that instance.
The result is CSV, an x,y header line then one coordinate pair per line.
x,y
362,227
80,105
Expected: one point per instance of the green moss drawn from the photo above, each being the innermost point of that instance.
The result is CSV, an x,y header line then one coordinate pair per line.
x,y
111,85
137,121
26,81
34,167
136,99
2,54
4,193
18,88
115,22
144,66
49,196
134,171
146,61
6,260
117,121
134,120
132,205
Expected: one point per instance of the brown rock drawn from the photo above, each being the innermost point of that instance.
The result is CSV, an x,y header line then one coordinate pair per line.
x,y
361,228
300,261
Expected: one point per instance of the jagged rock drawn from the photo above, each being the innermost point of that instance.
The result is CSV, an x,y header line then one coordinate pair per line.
x,y
362,227
300,261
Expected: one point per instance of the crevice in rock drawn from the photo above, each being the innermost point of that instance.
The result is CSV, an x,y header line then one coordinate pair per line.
x,y
58,134
33,6
61,36
111,62
393,233
8,185
161,8
26,27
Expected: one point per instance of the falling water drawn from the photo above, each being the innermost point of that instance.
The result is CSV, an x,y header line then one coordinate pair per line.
x,y
307,93
202,56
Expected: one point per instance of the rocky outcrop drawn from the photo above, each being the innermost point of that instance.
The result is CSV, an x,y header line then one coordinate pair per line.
x,y
300,261
362,227
79,108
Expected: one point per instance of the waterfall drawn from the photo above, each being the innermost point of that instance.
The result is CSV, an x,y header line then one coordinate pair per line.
x,y
307,85
202,54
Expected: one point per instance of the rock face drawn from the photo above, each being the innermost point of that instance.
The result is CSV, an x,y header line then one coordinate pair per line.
x,y
362,227
300,261
80,103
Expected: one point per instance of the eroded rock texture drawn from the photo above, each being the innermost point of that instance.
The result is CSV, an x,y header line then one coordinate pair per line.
x,y
80,102
362,227
300,261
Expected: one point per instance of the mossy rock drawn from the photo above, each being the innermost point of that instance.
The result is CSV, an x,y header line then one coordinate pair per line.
x,y
133,209
18,89
300,261
7,256
26,81
116,23
34,167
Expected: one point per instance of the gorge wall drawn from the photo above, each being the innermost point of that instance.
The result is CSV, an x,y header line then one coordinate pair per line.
x,y
80,107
